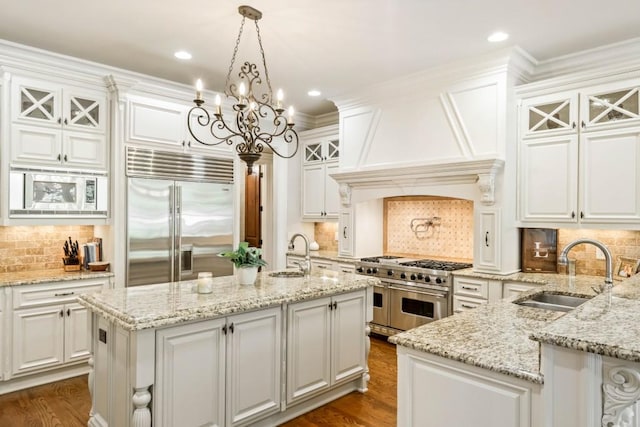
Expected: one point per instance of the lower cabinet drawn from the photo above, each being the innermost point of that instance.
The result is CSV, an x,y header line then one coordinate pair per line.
x,y
513,289
434,392
469,293
219,372
326,344
49,327
322,264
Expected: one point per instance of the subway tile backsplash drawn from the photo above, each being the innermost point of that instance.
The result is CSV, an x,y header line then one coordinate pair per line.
x,y
449,237
37,247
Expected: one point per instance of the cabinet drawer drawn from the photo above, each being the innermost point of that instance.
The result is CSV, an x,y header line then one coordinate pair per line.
x,y
292,261
345,267
461,304
321,265
471,287
54,293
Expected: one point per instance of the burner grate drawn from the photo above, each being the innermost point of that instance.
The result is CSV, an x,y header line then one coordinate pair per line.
x,y
378,258
437,265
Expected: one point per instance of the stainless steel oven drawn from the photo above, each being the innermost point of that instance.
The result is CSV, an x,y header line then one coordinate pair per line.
x,y
380,305
412,307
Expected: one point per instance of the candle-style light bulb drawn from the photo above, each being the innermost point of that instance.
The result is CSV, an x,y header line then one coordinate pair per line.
x,y
242,90
199,90
218,102
290,119
279,98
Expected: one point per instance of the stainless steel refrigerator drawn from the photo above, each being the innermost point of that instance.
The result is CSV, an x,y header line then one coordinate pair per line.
x,y
179,216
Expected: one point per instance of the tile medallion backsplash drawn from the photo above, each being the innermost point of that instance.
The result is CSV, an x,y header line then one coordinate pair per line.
x,y
428,226
38,247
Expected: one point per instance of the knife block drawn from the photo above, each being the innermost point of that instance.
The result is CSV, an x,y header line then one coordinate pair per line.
x,y
71,267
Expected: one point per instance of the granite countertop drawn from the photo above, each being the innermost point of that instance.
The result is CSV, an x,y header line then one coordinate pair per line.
x,y
496,336
327,255
46,276
151,306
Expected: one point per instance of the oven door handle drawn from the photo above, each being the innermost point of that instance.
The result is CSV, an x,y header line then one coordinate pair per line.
x,y
421,292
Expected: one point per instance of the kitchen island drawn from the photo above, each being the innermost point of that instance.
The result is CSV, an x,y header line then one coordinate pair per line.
x,y
164,355
511,365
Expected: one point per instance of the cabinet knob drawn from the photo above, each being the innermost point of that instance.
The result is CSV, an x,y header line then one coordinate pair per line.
x,y
335,305
330,306
61,313
68,312
581,215
66,122
59,157
65,158
582,124
231,328
224,329
573,214
59,120
573,125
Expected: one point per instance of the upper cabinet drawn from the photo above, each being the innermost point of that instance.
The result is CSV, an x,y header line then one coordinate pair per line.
x,y
320,158
576,148
58,125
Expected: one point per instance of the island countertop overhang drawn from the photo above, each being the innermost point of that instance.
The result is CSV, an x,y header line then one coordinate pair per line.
x,y
159,305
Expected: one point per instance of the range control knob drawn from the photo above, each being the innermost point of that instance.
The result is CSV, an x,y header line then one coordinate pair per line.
x,y
438,280
420,276
403,276
375,270
369,271
389,272
413,277
360,269
427,279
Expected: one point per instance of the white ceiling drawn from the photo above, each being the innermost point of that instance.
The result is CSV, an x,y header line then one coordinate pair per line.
x,y
331,45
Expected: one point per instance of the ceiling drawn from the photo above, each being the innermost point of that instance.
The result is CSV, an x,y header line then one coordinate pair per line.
x,y
331,45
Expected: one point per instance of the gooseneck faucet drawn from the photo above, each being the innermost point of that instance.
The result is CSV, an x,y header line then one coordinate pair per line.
x,y
305,266
608,280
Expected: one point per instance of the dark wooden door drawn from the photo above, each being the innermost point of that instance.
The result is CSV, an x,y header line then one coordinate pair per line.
x,y
253,208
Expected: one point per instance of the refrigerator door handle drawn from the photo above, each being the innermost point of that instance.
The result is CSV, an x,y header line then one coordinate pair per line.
x,y
178,232
172,225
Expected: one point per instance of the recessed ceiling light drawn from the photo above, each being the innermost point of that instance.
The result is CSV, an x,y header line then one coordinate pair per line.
x,y
182,54
498,36
314,92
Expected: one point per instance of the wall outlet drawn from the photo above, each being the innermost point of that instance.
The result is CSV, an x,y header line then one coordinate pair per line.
x,y
335,236
599,254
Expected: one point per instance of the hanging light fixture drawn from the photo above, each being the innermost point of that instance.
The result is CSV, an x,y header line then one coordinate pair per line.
x,y
258,119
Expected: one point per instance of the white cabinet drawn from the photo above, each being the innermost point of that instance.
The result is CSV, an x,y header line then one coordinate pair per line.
x,y
321,151
219,372
346,233
469,293
326,344
487,256
514,289
59,126
434,391
321,264
49,327
576,147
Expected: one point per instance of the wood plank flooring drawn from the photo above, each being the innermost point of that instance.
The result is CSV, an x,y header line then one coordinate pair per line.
x,y
67,403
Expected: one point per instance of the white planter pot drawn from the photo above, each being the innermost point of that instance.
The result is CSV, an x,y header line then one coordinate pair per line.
x,y
247,275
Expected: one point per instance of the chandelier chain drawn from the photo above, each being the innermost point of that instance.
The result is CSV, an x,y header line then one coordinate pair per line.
x,y
264,62
235,52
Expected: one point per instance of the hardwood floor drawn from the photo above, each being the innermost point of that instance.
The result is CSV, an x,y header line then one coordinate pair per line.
x,y
67,403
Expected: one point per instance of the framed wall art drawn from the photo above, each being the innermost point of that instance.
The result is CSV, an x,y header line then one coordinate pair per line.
x,y
625,267
539,250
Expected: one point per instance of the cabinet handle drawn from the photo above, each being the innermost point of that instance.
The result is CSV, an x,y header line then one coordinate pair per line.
x,y
467,306
581,215
65,158
573,125
321,266
344,232
582,124
68,312
335,305
64,294
189,143
66,122
573,214
486,239
330,306
469,288
231,328
59,157
224,329
61,313
59,120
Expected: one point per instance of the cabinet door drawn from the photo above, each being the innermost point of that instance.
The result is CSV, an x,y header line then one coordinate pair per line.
x,y
36,145
84,149
313,190
156,122
317,264
345,233
610,105
487,250
549,179
313,152
190,375
36,102
253,365
332,192
37,338
76,334
610,171
549,114
84,110
461,304
515,289
348,336
308,348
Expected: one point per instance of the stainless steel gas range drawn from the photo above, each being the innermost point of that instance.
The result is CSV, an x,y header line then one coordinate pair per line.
x,y
412,292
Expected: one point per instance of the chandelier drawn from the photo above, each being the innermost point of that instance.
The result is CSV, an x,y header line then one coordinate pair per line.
x,y
257,121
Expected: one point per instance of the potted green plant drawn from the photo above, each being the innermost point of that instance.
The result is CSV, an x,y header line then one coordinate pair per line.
x,y
247,260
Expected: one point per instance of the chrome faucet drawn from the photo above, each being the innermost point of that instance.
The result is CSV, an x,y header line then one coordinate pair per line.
x,y
305,266
608,280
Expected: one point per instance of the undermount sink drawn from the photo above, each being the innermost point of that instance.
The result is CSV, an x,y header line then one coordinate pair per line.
x,y
287,274
550,301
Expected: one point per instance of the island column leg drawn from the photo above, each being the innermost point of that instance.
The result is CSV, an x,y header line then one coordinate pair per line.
x,y
142,375
142,412
364,384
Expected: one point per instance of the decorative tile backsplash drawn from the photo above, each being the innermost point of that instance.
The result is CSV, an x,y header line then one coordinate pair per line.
x,y
620,243
37,248
410,227
325,235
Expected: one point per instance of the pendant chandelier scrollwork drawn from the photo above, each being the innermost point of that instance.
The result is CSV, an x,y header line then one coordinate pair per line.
x,y
258,120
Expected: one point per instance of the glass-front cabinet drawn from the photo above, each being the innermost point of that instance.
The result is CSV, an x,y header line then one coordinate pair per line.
x,y
614,106
549,114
